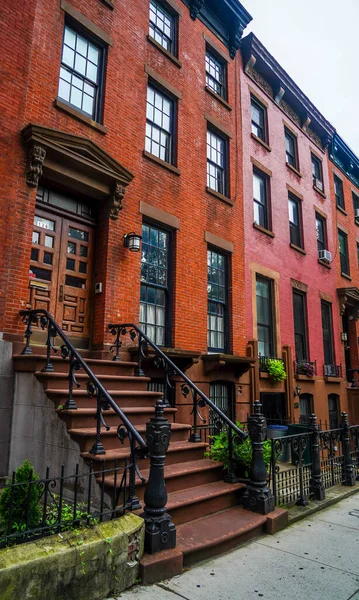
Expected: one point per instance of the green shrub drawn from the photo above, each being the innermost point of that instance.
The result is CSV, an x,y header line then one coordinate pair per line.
x,y
242,452
276,369
21,501
69,519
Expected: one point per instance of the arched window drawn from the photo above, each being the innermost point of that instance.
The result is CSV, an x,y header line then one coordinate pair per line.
x,y
306,407
333,409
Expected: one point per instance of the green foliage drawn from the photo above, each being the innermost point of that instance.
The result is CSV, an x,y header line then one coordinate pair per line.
x,y
21,500
242,452
276,369
70,519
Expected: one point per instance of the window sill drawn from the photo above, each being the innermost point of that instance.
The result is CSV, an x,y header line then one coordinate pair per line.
x,y
298,249
170,56
346,276
257,139
108,3
324,264
319,191
333,379
219,196
294,170
264,230
218,97
342,210
161,162
300,377
78,115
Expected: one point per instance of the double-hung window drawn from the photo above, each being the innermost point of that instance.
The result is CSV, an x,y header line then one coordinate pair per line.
x,y
217,270
317,173
155,283
343,252
300,326
355,198
81,73
163,26
321,227
291,152
265,321
327,333
215,73
261,200
295,221
259,120
339,194
217,162
160,124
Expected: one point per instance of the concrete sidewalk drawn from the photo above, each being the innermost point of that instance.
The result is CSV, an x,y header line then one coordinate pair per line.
x,y
314,559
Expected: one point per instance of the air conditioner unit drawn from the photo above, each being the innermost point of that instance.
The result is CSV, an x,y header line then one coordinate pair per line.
x,y
325,255
356,213
318,184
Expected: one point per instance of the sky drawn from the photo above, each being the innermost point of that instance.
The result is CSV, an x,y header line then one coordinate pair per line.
x,y
316,42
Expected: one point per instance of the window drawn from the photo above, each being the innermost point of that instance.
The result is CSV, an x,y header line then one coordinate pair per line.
x,y
261,200
327,333
333,409
295,221
265,329
159,124
291,149
355,198
317,173
163,25
81,73
155,284
343,251
338,189
306,408
321,227
215,73
300,326
217,301
259,118
216,162
221,395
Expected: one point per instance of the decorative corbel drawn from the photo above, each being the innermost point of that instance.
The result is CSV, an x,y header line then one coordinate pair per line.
x,y
195,7
325,141
35,159
116,200
235,39
279,95
250,63
306,121
342,303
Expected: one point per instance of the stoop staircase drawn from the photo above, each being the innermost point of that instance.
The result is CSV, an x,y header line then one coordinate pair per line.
x,y
205,509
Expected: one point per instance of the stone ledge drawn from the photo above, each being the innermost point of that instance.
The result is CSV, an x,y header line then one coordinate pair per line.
x,y
333,495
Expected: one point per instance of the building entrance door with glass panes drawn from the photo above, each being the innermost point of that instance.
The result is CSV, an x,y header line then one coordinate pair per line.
x,y
60,275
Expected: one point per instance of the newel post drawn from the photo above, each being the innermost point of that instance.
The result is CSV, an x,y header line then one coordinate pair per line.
x,y
258,497
349,472
316,486
160,532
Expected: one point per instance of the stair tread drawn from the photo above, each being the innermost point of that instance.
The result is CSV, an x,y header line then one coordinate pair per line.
x,y
125,363
55,375
88,431
125,452
191,466
56,391
214,529
201,492
133,410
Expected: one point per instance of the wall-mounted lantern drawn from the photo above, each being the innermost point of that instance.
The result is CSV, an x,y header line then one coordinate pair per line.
x,y
297,391
132,241
344,336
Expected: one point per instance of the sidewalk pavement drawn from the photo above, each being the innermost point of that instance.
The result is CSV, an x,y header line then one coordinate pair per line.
x,y
314,559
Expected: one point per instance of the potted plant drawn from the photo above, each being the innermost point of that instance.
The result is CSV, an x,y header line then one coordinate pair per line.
x,y
305,368
276,370
241,452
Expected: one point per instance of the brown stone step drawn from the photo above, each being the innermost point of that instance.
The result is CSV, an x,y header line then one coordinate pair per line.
x,y
35,362
115,382
177,452
217,533
122,398
85,417
193,503
86,436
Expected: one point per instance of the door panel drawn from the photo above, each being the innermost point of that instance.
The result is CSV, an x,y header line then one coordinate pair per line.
x,y
61,271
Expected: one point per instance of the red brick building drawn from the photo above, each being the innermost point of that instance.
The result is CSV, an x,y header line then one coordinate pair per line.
x,y
289,243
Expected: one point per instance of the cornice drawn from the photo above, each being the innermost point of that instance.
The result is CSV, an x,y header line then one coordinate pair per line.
x,y
345,159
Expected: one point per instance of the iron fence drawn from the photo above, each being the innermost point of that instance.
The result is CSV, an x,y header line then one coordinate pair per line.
x,y
305,367
33,507
291,468
332,370
264,360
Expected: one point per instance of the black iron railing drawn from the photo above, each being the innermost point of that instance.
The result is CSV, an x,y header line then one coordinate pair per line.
x,y
264,360
33,507
332,370
305,367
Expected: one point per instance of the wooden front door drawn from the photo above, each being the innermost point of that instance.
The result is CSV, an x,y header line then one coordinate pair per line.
x,y
61,271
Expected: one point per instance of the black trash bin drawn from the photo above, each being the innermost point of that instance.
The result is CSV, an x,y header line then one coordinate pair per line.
x,y
278,431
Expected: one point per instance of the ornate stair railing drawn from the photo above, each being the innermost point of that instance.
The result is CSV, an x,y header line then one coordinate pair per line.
x,y
199,398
